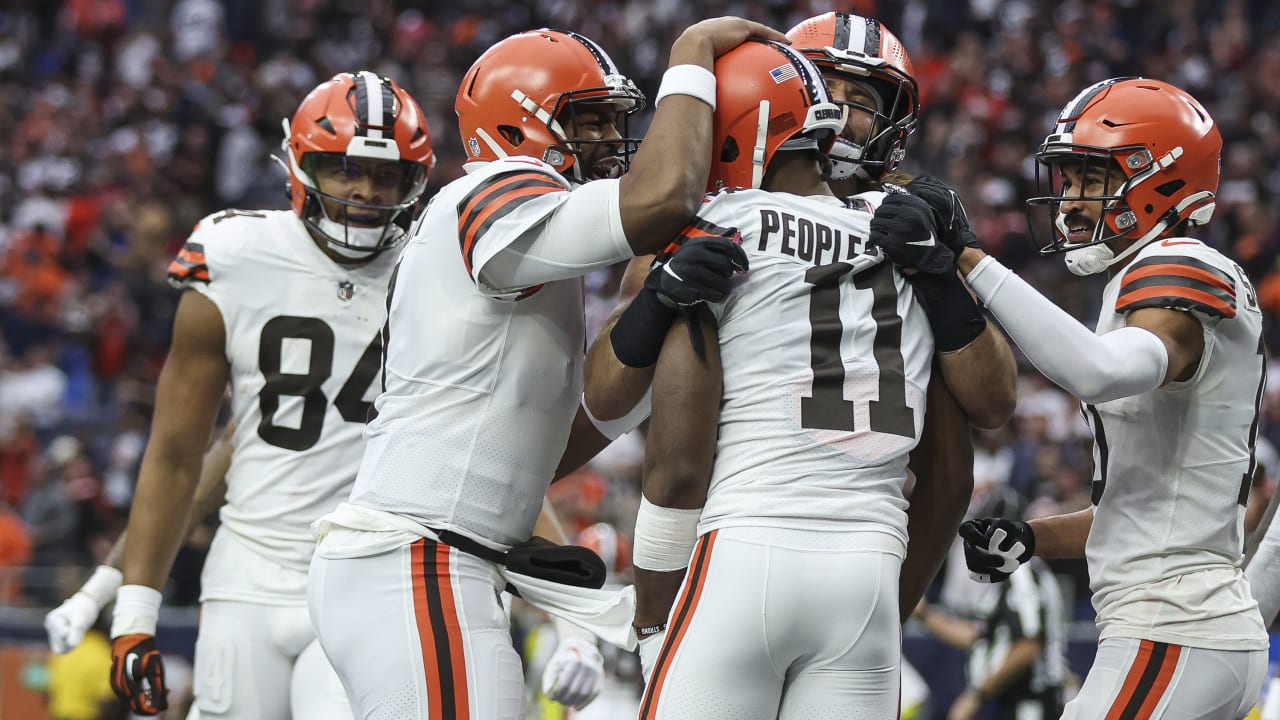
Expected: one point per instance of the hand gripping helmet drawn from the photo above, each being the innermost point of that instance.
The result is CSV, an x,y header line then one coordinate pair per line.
x,y
768,98
863,50
518,96
351,126
1162,142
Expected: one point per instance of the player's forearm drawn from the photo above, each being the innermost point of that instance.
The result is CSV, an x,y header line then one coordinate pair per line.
x,y
655,595
1021,658
943,466
953,631
1094,368
983,377
611,389
210,492
158,520
1062,536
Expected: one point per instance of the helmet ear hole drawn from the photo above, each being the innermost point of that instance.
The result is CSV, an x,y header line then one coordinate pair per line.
x,y
327,125
512,134
729,150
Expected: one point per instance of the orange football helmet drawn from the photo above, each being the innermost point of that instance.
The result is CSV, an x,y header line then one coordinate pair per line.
x,y
520,94
352,125
1161,140
863,50
768,98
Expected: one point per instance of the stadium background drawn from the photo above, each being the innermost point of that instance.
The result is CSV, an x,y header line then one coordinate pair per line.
x,y
122,122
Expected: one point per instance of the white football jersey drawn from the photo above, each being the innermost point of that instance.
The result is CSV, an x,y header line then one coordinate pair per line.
x,y
481,386
826,357
1173,466
302,338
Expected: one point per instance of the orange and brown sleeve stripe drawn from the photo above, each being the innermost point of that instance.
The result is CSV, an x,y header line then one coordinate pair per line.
x,y
494,199
439,631
681,617
189,266
1177,283
1146,682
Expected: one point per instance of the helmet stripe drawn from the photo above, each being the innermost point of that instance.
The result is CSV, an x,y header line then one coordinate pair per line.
x,y
602,57
1081,101
370,106
842,31
871,41
857,38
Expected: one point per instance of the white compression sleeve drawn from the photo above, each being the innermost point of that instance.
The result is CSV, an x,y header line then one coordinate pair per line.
x,y
1263,573
583,234
1094,368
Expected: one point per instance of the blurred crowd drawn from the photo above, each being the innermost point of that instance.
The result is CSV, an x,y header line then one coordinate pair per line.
x,y
123,122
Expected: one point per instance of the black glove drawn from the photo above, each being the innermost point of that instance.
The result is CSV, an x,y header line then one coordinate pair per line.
x,y
700,271
995,547
905,228
137,674
948,211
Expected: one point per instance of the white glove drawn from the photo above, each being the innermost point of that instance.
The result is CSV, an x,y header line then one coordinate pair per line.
x,y
649,647
575,673
67,623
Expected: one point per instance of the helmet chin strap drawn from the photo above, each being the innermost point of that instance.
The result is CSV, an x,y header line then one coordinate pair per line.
x,y
360,242
846,160
1093,259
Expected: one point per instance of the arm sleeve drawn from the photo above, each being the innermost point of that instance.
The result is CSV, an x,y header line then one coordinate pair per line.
x,y
1263,573
571,234
1094,368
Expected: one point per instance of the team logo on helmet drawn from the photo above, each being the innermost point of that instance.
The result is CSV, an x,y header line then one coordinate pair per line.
x,y
346,290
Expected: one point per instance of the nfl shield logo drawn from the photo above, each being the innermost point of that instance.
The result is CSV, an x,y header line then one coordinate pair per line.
x,y
346,290
474,146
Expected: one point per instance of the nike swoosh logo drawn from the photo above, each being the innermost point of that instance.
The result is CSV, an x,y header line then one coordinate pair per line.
x,y
923,243
667,269
130,662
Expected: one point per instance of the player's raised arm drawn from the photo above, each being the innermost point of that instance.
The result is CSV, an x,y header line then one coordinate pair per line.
x,y
669,174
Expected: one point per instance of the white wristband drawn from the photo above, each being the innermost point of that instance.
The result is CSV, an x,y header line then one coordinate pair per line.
x,y
692,80
102,585
664,537
137,611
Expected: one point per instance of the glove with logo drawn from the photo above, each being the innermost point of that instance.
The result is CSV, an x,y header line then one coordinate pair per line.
x,y
575,673
700,271
905,228
137,674
948,211
995,547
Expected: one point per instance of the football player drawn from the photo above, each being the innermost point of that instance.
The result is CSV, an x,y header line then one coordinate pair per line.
x,y
1170,383
800,397
485,343
869,75
287,306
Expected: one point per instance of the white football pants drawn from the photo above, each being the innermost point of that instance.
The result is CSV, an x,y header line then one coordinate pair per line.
x,y
782,624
